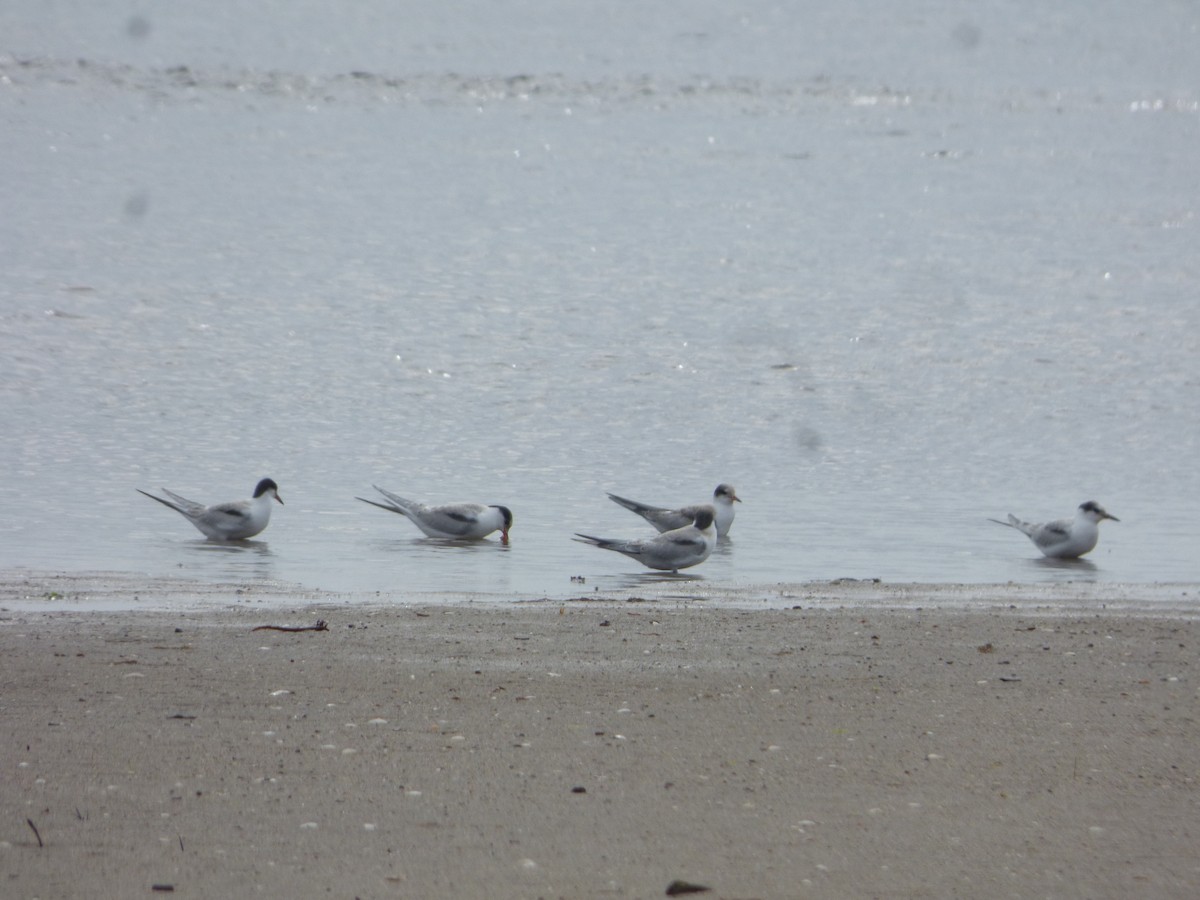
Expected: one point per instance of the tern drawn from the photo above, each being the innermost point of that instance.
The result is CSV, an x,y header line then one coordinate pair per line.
x,y
1064,538
667,519
232,521
670,551
455,521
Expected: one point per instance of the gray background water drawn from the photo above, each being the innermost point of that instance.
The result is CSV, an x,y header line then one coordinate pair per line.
x,y
890,270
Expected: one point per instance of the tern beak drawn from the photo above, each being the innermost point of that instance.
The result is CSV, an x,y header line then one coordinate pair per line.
x,y
277,497
1114,518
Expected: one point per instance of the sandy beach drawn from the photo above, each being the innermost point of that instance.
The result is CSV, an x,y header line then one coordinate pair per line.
x,y
602,748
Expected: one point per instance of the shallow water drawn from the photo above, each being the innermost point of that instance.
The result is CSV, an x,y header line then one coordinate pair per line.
x,y
886,294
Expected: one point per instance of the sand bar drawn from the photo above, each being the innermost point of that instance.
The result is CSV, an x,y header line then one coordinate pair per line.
x,y
1023,746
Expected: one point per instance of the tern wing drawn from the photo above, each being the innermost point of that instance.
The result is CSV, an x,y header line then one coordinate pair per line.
x,y
1050,533
458,519
388,506
660,517
677,549
183,505
396,500
1014,522
229,513
629,548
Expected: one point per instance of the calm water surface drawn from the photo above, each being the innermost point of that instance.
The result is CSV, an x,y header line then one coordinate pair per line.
x,y
887,274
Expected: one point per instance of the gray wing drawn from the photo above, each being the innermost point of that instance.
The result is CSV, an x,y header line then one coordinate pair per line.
x,y
687,514
1050,533
458,519
629,548
641,509
661,518
402,505
388,506
189,508
670,519
1013,522
675,549
690,542
226,513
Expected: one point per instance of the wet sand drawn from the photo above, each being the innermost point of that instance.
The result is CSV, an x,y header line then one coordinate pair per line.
x,y
597,749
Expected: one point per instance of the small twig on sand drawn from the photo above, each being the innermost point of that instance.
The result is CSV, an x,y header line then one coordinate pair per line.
x,y
320,626
35,832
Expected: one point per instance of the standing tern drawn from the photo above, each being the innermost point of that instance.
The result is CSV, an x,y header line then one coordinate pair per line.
x,y
667,519
1064,538
456,521
232,521
670,551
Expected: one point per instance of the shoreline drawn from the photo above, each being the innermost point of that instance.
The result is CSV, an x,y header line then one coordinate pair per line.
x,y
599,749
41,591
